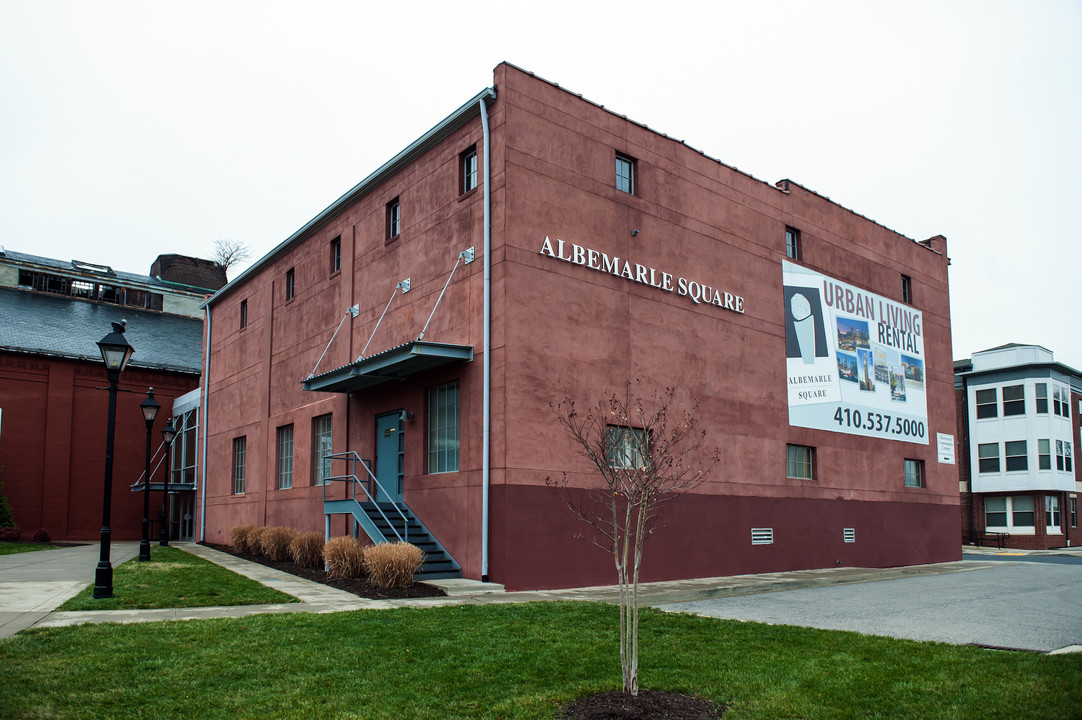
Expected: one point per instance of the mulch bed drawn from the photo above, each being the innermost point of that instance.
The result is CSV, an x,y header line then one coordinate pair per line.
x,y
358,586
647,705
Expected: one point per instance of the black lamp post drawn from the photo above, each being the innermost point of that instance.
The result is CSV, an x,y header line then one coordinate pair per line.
x,y
168,433
150,409
116,352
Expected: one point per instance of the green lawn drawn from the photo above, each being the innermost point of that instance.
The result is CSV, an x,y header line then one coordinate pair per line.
x,y
509,661
176,579
10,548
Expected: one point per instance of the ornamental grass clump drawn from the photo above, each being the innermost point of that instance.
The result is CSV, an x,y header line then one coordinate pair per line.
x,y
238,536
307,549
344,556
255,540
275,542
393,564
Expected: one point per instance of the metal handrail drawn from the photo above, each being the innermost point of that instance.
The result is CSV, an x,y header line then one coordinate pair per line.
x,y
353,458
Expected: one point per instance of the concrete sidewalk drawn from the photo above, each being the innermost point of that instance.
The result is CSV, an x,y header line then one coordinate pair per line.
x,y
34,584
39,599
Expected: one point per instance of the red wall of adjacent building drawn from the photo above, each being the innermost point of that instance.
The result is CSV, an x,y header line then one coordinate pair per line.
x,y
52,443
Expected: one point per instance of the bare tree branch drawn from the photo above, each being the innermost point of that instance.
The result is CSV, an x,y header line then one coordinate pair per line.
x,y
230,252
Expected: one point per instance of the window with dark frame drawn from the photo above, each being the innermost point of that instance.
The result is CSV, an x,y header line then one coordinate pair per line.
x,y
914,473
322,439
792,243
1022,514
1074,511
1014,400
988,458
394,219
625,173
240,453
244,313
626,447
1016,454
987,401
336,254
800,462
467,163
907,290
443,443
291,284
284,464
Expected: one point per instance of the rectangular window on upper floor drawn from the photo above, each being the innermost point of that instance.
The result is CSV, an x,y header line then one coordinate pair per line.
x,y
1017,458
1040,391
914,473
987,404
467,163
988,458
1044,454
336,255
792,243
1014,400
394,219
907,290
291,284
800,462
625,173
244,313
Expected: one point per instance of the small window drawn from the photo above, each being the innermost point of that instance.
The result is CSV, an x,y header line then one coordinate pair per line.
x,y
1014,400
1041,392
1052,517
988,457
1044,454
285,457
443,443
799,462
336,254
986,404
995,512
291,284
240,457
244,313
625,173
1074,512
1064,460
322,435
907,289
626,447
467,163
914,473
1015,451
792,243
1022,511
394,219
1059,454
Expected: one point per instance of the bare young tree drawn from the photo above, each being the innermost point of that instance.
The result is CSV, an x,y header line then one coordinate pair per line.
x,y
647,452
230,252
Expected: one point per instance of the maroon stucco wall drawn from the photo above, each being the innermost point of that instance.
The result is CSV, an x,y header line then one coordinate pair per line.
x,y
52,443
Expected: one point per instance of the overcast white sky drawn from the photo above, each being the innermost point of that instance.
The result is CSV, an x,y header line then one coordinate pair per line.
x,y
129,129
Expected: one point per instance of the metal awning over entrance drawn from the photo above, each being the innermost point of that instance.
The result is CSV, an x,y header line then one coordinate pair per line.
x,y
398,363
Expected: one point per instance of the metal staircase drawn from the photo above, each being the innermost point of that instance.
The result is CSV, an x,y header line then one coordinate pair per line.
x,y
383,520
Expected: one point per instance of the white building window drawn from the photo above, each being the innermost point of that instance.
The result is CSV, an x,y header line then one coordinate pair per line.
x,y
1040,391
1014,400
1009,514
1016,455
987,404
988,458
1051,515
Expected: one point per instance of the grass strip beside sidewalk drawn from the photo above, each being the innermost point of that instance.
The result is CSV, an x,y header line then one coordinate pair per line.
x,y
11,548
516,661
176,579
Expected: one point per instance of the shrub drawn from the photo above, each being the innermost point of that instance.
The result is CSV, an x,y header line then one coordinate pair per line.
x,y
239,537
307,549
9,533
255,540
275,542
41,536
344,556
7,517
393,564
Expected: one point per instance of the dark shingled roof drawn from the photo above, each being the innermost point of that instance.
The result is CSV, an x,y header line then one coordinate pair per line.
x,y
60,326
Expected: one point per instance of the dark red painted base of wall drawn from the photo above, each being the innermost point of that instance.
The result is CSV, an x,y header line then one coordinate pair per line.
x,y
536,543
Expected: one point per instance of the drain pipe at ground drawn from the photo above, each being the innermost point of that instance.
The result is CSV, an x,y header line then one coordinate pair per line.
x,y
205,390
486,391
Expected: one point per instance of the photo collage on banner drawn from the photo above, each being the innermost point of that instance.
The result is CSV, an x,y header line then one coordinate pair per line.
x,y
854,360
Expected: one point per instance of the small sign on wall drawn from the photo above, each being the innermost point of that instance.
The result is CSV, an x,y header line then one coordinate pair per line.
x,y
946,448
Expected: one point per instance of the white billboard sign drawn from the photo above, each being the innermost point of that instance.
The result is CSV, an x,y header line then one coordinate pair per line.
x,y
854,360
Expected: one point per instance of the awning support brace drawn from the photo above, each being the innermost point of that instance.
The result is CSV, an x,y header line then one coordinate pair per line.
x,y
353,310
405,286
466,255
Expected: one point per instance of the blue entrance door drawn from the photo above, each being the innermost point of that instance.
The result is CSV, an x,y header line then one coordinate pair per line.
x,y
390,456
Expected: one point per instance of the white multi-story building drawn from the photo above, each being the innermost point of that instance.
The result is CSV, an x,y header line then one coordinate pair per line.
x,y
1018,423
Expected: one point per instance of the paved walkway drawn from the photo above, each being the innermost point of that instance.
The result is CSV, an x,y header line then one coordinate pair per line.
x,y
33,585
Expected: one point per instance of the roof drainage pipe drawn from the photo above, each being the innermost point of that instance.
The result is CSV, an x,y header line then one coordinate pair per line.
x,y
205,382
486,430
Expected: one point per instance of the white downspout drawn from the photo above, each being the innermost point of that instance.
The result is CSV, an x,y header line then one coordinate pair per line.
x,y
203,435
486,391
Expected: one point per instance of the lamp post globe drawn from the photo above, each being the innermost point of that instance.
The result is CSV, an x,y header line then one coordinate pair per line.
x,y
168,433
115,353
150,408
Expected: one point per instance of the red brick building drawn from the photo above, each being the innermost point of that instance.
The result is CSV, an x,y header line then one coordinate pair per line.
x,y
535,246
1018,429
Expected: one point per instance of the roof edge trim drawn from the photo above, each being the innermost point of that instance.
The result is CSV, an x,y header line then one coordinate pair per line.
x,y
419,146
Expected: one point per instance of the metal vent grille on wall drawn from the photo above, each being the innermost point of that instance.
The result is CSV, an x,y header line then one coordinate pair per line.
x,y
762,536
849,535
